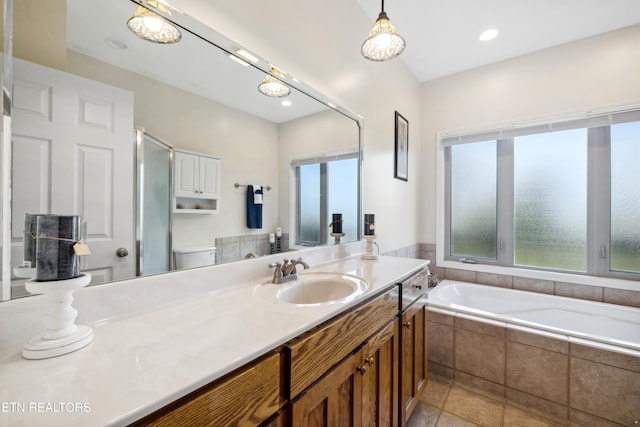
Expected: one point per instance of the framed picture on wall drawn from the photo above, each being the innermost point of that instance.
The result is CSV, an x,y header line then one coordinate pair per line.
x,y
401,169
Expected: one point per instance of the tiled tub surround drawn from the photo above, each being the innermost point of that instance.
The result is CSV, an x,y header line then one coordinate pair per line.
x,y
158,338
559,376
561,288
236,248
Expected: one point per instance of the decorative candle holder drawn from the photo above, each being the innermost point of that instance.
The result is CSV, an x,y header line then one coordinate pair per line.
x,y
61,335
368,254
337,237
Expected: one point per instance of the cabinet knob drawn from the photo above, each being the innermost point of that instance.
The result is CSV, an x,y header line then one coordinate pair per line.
x,y
362,369
369,360
407,325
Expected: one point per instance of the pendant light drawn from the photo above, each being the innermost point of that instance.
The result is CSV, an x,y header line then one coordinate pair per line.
x,y
384,42
272,86
152,27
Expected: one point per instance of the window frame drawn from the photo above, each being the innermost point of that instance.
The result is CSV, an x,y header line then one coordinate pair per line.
x,y
323,160
598,195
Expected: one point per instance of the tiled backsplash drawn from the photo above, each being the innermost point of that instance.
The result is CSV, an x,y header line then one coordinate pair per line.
x,y
573,290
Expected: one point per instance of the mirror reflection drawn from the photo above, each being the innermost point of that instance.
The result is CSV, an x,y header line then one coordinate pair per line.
x,y
169,152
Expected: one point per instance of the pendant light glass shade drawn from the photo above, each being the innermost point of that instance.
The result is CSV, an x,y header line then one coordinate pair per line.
x,y
384,42
152,27
273,87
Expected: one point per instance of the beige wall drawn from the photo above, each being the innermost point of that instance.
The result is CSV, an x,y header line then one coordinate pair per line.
x,y
596,72
39,32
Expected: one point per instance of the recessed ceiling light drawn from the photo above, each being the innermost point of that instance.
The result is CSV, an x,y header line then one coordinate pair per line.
x,y
286,103
488,35
115,43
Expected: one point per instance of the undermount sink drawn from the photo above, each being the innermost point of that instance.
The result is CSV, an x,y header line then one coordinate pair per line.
x,y
316,288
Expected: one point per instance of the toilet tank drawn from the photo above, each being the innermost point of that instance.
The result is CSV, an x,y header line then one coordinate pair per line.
x,y
194,256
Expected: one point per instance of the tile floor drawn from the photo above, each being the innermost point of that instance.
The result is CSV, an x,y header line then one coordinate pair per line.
x,y
446,403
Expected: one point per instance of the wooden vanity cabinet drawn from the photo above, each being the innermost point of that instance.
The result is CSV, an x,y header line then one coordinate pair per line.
x,y
413,343
250,396
366,367
345,372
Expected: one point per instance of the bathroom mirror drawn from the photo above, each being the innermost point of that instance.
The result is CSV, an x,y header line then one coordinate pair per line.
x,y
198,95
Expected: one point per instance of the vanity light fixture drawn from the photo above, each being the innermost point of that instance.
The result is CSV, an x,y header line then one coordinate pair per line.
x,y
238,60
152,27
384,42
273,86
246,55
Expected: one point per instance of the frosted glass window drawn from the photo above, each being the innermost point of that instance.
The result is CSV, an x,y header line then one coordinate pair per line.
x,y
473,199
550,200
309,203
625,197
342,183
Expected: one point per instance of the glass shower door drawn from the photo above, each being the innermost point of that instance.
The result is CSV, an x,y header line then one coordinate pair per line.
x,y
154,205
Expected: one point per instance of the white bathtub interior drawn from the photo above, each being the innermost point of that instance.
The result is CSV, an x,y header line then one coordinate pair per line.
x,y
604,325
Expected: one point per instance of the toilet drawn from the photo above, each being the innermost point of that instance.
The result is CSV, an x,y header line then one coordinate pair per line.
x,y
194,256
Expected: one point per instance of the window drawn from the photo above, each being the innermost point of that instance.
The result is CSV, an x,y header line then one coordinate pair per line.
x,y
473,200
325,186
550,200
560,197
625,197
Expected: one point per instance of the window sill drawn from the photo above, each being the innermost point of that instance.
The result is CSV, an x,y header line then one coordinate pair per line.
x,y
605,282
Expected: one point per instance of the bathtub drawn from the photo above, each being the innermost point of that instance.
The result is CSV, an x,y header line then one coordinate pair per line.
x,y
607,326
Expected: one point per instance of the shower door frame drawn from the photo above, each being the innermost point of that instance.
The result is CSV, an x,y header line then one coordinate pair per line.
x,y
140,135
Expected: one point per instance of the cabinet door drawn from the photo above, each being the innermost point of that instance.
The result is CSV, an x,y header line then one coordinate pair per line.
x,y
334,400
413,363
187,175
379,372
209,178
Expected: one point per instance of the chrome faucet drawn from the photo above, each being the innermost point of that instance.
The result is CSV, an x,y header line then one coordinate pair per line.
x,y
286,271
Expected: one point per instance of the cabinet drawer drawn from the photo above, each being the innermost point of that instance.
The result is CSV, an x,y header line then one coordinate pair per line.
x,y
314,353
413,288
247,397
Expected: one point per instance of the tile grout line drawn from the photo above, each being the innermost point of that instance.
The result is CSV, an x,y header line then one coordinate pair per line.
x,y
444,402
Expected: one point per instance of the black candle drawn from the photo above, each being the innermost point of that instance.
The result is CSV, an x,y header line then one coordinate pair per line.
x,y
369,225
336,223
55,237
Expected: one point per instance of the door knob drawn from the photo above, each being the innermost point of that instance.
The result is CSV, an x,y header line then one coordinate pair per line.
x,y
122,252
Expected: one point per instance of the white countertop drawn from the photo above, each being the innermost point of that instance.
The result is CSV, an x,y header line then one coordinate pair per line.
x,y
140,361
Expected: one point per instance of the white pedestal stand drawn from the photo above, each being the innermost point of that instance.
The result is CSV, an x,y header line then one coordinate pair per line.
x,y
368,254
337,237
61,336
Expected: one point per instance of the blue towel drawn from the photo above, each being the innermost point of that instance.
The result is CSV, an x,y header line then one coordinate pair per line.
x,y
254,211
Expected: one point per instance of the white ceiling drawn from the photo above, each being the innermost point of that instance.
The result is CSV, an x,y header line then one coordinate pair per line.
x,y
442,35
192,65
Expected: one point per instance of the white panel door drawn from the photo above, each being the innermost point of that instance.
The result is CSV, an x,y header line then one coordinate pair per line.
x,y
74,155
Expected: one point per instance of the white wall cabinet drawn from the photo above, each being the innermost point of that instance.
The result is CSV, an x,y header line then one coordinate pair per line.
x,y
196,183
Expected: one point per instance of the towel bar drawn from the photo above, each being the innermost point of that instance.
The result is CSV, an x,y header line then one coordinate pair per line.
x,y
236,185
